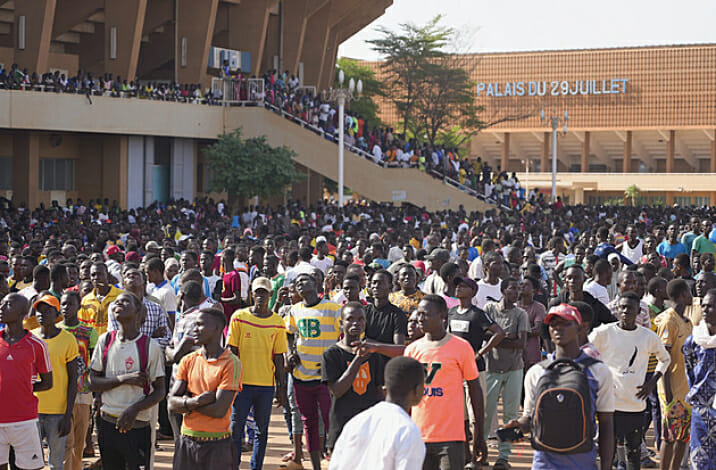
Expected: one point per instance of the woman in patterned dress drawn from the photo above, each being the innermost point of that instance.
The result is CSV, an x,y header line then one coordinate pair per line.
x,y
700,357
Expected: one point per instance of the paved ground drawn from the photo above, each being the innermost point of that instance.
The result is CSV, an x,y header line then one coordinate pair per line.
x,y
279,445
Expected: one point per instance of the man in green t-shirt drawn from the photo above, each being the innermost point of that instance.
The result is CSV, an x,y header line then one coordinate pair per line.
x,y
702,244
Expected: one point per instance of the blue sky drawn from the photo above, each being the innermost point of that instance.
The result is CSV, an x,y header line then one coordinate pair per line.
x,y
522,25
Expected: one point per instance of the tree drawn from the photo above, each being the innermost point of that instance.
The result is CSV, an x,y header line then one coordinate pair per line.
x,y
366,106
632,193
406,51
249,167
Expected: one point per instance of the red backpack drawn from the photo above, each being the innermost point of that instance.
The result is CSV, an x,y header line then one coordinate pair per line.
x,y
142,347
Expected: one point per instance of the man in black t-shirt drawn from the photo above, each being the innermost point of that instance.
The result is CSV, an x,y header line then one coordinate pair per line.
x,y
385,322
472,324
355,380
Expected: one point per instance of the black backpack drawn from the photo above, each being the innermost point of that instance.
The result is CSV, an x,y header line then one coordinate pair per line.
x,y
563,417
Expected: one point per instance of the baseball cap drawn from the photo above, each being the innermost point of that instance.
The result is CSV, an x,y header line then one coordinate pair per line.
x,y
113,250
132,256
320,239
467,281
50,300
565,311
440,254
419,265
152,245
261,283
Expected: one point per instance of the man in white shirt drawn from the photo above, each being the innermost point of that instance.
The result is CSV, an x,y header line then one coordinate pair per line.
x,y
625,348
321,260
383,436
602,272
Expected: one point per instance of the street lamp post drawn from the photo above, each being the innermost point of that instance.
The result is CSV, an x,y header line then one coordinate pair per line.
x,y
341,95
555,121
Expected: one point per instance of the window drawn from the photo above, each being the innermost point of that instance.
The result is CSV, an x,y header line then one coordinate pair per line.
x,y
702,201
5,172
683,201
57,174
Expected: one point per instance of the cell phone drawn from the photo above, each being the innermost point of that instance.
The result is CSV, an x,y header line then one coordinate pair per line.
x,y
509,434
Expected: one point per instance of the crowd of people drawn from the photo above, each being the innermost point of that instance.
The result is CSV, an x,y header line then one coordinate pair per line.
x,y
385,146
387,334
282,92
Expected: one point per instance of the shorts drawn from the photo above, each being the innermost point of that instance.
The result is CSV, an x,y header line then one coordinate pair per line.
x,y
190,454
676,420
24,437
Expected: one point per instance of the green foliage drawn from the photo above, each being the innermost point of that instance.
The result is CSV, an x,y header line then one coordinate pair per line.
x,y
366,106
407,51
249,167
632,193
615,201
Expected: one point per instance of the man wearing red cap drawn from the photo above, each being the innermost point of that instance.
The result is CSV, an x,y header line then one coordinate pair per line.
x,y
115,257
564,322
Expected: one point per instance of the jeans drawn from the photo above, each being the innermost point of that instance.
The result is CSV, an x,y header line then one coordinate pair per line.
x,y
290,411
509,385
48,425
653,413
123,451
627,429
261,398
309,400
444,456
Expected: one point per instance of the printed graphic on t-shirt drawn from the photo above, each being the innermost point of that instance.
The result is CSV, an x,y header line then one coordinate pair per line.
x,y
430,371
360,383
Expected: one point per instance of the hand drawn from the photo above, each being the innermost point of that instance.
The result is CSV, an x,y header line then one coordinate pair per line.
x,y
160,332
645,389
293,360
126,419
65,425
281,398
138,379
479,444
362,348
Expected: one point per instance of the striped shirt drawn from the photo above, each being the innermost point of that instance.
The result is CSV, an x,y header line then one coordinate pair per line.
x,y
156,317
315,328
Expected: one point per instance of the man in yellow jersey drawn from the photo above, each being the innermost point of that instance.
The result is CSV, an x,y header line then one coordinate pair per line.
x,y
95,305
258,337
314,325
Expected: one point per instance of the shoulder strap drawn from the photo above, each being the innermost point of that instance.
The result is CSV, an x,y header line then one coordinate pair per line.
x,y
143,347
108,340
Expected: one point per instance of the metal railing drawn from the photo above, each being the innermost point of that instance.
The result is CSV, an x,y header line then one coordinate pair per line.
x,y
368,156
232,92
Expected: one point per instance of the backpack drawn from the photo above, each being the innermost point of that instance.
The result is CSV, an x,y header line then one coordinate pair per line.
x,y
142,347
563,401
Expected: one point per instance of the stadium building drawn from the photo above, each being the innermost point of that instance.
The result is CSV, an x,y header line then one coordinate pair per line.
x,y
641,115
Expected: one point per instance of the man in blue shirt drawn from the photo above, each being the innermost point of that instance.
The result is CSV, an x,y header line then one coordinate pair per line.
x,y
604,249
671,247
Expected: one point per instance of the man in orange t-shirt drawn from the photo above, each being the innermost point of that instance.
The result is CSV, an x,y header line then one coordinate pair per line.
x,y
448,361
206,383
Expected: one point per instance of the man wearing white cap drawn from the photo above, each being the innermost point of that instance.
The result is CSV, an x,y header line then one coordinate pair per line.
x,y
321,260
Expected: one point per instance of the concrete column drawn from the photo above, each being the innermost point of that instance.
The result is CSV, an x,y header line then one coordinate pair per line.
x,y
626,165
148,170
38,17
670,155
712,166
505,157
135,172
127,16
247,31
115,169
584,166
314,45
544,157
195,27
295,21
26,169
578,196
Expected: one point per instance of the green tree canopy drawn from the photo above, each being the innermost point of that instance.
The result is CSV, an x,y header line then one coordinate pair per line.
x,y
249,167
366,106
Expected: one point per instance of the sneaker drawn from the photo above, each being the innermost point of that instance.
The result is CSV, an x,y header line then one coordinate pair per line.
x,y
501,464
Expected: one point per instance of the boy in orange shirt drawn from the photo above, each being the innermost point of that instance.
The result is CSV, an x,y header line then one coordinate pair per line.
x,y
448,361
206,383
